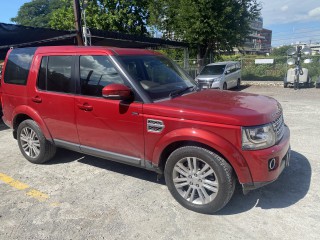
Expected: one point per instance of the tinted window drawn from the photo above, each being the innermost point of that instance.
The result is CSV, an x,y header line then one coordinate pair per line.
x,y
97,72
59,74
18,66
42,78
213,70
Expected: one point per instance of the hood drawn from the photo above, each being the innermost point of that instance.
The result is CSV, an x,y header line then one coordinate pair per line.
x,y
215,106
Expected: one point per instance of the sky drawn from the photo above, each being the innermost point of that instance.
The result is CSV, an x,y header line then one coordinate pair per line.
x,y
291,21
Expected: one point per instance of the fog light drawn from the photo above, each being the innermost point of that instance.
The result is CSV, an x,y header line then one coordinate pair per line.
x,y
272,164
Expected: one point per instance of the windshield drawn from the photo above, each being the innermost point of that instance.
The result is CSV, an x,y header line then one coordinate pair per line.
x,y
158,75
213,70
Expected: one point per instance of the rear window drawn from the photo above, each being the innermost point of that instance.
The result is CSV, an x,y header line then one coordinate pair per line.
x,y
18,66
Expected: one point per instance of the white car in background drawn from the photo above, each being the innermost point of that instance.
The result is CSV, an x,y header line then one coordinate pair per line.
x,y
220,75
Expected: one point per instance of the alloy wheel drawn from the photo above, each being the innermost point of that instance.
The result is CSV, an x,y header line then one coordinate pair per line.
x,y
30,142
195,180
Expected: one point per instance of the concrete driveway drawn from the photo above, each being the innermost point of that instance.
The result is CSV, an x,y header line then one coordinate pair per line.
x,y
82,197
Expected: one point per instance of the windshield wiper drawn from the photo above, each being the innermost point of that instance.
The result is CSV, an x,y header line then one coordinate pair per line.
x,y
181,91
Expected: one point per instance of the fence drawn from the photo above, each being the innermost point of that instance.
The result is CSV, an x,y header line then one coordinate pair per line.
x,y
251,71
275,71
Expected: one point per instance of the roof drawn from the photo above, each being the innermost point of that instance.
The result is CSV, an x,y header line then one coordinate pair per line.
x,y
11,36
95,49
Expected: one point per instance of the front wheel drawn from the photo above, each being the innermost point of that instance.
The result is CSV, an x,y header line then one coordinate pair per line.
x,y
224,87
33,144
199,179
238,83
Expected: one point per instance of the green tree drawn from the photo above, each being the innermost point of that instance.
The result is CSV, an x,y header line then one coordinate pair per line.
x,y
127,16
280,51
36,13
209,25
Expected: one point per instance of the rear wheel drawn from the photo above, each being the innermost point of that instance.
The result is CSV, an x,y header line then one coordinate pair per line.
x,y
199,179
32,143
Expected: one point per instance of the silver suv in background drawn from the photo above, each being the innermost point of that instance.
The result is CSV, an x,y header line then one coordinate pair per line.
x,y
220,75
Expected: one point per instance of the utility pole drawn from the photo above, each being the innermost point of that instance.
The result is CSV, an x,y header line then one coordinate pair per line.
x,y
77,16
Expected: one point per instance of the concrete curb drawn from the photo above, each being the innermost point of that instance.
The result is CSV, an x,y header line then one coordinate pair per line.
x,y
262,83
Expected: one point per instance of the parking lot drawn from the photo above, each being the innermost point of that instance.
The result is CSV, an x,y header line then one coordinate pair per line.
x,y
82,197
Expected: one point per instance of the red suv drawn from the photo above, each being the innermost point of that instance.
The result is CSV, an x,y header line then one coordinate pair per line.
x,y
138,107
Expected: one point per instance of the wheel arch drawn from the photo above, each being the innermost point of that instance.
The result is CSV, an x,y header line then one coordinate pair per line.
x,y
206,140
23,113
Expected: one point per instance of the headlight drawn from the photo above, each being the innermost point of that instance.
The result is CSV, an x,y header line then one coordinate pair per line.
x,y
258,137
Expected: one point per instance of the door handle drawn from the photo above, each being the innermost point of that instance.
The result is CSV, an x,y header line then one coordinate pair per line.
x,y
36,99
85,107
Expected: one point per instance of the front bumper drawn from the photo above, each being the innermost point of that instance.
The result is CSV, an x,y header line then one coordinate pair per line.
x,y
209,84
258,162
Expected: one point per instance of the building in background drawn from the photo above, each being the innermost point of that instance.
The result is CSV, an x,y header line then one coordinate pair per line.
x,y
266,42
258,41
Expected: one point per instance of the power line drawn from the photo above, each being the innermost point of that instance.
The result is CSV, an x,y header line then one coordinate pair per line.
x,y
297,37
296,29
295,33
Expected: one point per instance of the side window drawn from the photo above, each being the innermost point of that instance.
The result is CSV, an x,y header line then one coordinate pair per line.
x,y
238,66
229,69
18,66
96,72
59,74
42,77
233,68
55,74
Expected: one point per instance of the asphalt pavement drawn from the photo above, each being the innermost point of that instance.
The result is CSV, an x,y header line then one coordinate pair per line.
x,y
81,197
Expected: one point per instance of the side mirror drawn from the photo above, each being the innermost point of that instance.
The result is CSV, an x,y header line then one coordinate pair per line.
x,y
227,72
117,92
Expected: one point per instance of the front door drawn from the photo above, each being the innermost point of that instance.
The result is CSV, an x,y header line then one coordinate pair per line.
x,y
107,128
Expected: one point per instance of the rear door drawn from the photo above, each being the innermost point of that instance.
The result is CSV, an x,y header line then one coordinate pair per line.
x,y
52,96
111,129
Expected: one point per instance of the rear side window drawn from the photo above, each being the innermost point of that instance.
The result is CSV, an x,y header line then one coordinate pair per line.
x,y
18,66
55,74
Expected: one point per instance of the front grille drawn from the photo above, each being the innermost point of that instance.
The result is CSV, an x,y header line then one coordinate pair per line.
x,y
278,127
204,83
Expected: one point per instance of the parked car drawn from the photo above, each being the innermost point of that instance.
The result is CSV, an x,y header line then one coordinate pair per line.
x,y
138,107
318,82
220,75
304,78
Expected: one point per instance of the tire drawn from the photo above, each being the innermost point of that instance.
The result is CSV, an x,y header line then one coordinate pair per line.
x,y
238,83
225,87
216,179
33,144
